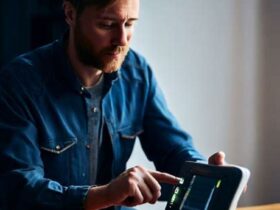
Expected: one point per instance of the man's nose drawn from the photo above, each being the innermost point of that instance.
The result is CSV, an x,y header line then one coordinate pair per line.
x,y
121,37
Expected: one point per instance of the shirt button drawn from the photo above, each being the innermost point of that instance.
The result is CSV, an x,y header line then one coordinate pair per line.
x,y
83,174
94,109
88,146
82,90
57,147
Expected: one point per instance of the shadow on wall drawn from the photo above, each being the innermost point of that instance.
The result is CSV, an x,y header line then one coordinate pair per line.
x,y
27,24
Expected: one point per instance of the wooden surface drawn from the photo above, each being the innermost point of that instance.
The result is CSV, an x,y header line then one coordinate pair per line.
x,y
263,207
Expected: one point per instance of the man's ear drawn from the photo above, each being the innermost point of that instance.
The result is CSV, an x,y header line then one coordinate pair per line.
x,y
69,12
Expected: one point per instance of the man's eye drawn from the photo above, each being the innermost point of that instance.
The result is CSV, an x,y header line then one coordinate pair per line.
x,y
106,25
129,24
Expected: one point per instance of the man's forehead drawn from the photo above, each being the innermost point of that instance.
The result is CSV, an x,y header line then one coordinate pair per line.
x,y
120,9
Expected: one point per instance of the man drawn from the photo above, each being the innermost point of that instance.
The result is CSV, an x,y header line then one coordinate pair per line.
x,y
70,112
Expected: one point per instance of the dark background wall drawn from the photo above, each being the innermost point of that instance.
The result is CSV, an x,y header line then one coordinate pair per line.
x,y
27,24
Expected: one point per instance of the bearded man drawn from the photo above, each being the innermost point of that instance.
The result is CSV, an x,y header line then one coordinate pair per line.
x,y
70,113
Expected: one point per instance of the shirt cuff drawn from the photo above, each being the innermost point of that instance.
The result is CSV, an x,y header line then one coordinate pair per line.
x,y
76,196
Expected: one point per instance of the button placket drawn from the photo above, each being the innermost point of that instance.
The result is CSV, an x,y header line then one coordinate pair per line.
x,y
94,118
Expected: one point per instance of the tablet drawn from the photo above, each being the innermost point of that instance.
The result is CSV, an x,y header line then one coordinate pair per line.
x,y
208,187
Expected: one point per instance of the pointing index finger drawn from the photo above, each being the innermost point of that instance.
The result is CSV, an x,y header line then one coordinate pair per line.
x,y
164,177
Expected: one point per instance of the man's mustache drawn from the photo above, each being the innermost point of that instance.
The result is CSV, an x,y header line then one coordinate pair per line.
x,y
115,49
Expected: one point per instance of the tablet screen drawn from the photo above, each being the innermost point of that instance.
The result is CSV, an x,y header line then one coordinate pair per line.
x,y
200,193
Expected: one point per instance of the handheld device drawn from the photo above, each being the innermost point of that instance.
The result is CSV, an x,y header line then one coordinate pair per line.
x,y
208,187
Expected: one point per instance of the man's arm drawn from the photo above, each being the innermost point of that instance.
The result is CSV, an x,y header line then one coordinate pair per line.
x,y
163,140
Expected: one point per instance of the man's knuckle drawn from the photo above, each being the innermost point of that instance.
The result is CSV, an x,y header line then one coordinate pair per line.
x,y
134,169
140,168
131,180
132,175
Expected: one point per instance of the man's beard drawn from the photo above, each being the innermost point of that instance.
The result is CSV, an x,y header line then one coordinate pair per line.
x,y
100,60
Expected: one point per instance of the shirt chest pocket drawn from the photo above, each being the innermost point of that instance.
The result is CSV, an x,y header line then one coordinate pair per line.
x,y
58,155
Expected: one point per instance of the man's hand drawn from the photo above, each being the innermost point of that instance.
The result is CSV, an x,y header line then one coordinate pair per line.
x,y
135,186
217,158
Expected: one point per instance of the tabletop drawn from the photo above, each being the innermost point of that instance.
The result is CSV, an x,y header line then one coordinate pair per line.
x,y
275,206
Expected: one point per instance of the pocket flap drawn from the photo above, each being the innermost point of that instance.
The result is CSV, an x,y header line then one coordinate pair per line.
x,y
58,146
131,132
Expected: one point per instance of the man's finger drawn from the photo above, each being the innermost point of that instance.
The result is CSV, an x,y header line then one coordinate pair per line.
x,y
147,192
217,159
164,177
135,199
152,182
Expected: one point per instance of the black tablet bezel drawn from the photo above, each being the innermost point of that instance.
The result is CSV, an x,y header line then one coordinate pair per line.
x,y
230,177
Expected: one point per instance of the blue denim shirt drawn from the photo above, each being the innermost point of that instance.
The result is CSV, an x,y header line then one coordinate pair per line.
x,y
44,159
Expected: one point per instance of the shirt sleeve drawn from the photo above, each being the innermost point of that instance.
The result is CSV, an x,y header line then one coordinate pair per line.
x,y
22,182
163,140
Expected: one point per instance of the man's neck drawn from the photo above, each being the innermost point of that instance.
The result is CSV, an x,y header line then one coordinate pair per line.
x,y
89,76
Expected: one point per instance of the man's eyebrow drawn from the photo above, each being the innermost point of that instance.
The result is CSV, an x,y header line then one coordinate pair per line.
x,y
133,19
115,18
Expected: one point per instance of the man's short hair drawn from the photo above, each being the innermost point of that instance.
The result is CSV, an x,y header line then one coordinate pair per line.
x,y
80,5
